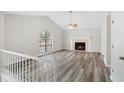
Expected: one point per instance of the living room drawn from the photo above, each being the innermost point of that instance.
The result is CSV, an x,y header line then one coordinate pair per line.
x,y
86,31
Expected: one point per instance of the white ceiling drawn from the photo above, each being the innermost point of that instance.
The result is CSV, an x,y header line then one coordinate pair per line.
x,y
85,19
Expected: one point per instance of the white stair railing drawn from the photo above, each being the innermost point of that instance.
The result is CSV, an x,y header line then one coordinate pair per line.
x,y
26,68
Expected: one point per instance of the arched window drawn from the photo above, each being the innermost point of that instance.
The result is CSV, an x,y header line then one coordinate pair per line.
x,y
46,41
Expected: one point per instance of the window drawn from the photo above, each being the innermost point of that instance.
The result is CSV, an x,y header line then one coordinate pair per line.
x,y
46,42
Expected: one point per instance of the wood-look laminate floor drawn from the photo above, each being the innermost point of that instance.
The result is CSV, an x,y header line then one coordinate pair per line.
x,y
77,66
72,66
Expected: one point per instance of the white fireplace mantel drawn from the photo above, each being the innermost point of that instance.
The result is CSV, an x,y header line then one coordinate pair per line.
x,y
80,39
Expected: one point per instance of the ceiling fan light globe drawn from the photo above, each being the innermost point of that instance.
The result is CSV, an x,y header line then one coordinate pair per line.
x,y
70,26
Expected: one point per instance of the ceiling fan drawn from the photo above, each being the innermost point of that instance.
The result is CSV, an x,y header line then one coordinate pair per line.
x,y
72,26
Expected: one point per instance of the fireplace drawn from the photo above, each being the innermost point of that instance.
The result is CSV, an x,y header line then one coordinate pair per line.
x,y
80,46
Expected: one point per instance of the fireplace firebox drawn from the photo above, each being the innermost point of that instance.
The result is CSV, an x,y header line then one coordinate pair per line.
x,y
80,46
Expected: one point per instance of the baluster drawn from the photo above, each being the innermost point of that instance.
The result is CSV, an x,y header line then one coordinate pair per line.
x,y
4,60
47,67
37,70
17,74
20,71
55,73
14,67
21,68
29,70
12,63
9,63
33,74
42,73
26,70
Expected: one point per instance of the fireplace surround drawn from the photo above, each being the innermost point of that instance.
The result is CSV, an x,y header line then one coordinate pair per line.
x,y
80,46
80,43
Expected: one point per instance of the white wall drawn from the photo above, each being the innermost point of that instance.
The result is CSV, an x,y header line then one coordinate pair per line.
x,y
22,33
93,34
1,36
106,39
109,40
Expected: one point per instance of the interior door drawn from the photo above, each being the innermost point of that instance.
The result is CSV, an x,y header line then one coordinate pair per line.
x,y
117,34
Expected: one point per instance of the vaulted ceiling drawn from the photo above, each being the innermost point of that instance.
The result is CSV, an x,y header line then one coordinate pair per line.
x,y
85,19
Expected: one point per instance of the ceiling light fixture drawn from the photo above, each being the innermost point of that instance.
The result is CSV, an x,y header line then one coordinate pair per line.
x,y
71,26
